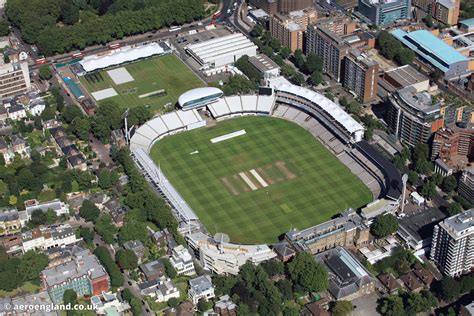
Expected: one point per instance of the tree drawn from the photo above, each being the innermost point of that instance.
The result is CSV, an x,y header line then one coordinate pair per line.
x,y
38,217
313,63
437,179
449,184
257,31
297,79
285,52
9,280
133,230
384,225
203,305
89,211
70,297
428,190
69,13
286,289
342,308
405,56
448,289
169,270
298,58
104,227
32,263
4,28
136,306
454,208
81,127
6,59
308,273
45,72
87,234
412,177
316,77
173,302
126,259
116,277
429,21
70,113
51,216
273,267
392,306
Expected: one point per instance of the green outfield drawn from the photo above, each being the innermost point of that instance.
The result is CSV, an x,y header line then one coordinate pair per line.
x,y
259,185
166,73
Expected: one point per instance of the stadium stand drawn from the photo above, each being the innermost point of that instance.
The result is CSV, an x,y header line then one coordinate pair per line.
x,y
241,105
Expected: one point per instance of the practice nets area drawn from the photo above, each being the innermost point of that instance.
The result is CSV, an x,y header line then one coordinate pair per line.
x,y
155,82
259,184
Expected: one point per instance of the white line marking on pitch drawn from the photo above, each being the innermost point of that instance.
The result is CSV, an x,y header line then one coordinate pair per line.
x,y
259,178
247,180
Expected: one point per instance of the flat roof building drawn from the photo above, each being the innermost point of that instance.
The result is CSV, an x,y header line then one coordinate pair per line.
x,y
453,244
14,79
361,75
348,279
221,51
406,76
467,25
466,184
265,65
383,12
435,51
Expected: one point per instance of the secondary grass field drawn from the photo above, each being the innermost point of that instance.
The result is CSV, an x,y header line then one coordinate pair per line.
x,y
259,185
150,75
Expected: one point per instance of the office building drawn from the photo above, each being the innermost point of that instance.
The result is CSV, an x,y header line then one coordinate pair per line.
x,y
452,247
14,79
384,12
83,273
444,11
360,75
289,28
281,6
436,52
466,185
412,116
348,230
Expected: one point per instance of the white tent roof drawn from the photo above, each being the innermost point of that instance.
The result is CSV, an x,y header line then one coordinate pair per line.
x,y
125,54
337,113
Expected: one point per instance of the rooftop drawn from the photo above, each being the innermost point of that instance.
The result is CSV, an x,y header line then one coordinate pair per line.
x,y
84,263
420,225
469,22
461,224
200,284
432,48
418,101
263,63
406,75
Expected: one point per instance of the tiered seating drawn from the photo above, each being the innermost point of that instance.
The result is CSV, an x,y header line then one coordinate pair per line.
x,y
249,103
234,103
219,109
265,104
280,110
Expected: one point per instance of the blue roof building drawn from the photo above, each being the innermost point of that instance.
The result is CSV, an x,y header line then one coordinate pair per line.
x,y
434,51
467,25
383,12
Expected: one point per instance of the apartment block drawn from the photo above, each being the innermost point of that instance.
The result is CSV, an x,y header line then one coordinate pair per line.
x,y
281,6
9,222
453,140
444,11
289,28
412,116
182,261
48,237
452,247
466,184
14,79
360,75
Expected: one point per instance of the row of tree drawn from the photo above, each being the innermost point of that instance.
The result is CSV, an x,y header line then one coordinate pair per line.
x,y
391,48
116,277
254,289
38,21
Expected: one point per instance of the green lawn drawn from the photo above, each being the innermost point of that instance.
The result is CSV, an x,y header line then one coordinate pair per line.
x,y
165,72
26,287
310,188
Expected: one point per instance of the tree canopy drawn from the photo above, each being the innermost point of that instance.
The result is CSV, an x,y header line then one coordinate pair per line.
x,y
384,225
391,48
89,211
126,259
309,274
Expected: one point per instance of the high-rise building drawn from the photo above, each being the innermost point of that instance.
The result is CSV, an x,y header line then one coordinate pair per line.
x,y
452,247
14,79
412,116
281,6
383,12
453,141
466,185
289,28
360,75
330,47
444,11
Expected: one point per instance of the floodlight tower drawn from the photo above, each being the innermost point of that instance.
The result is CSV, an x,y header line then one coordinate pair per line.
x,y
125,116
404,182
